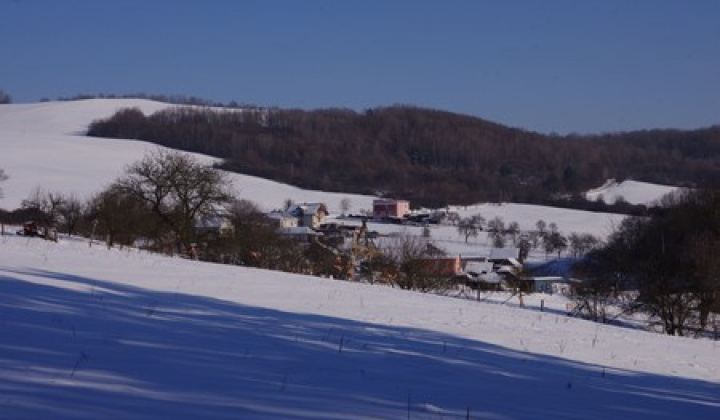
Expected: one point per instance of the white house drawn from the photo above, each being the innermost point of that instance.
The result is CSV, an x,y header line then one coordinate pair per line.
x,y
310,215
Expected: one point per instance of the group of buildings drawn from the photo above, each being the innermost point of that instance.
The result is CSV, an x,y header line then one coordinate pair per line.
x,y
498,269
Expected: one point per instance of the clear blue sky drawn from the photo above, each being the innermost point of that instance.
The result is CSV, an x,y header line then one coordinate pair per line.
x,y
546,65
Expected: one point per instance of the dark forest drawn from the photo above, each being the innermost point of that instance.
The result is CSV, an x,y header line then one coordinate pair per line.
x,y
430,157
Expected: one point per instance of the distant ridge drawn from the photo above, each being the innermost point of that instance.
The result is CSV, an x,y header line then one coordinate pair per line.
x,y
431,157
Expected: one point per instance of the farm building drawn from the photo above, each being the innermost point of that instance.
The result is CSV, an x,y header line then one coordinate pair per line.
x,y
390,209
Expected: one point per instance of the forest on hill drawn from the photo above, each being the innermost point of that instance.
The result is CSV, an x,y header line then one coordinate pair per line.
x,y
430,157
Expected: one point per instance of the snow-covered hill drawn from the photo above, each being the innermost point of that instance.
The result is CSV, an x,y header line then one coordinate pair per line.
x,y
43,145
92,333
633,192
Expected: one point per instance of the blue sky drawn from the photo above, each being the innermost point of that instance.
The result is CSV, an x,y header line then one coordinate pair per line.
x,y
546,65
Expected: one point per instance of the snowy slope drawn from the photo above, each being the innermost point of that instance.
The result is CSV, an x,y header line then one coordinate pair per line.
x,y
43,145
89,333
633,192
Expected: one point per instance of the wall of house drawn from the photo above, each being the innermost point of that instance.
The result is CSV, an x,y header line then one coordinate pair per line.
x,y
390,208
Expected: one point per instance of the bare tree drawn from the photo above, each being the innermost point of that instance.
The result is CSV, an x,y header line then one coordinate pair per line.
x,y
121,218
703,250
48,205
498,240
416,264
582,243
254,240
345,205
468,228
513,230
524,246
496,225
5,98
598,286
3,177
70,211
554,242
178,188
453,218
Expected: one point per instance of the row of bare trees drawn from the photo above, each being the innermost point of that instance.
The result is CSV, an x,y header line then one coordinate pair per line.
x,y
546,236
162,202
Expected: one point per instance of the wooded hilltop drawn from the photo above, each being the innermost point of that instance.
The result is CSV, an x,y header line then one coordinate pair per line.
x,y
430,157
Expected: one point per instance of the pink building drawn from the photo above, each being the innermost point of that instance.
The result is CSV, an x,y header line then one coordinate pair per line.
x,y
387,208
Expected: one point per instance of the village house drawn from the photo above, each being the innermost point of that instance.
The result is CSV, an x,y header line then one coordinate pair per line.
x,y
480,275
282,219
214,226
310,215
441,267
505,257
384,208
496,271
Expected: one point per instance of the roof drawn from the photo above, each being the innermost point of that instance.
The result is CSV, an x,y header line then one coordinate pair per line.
x,y
279,215
490,278
307,208
551,279
388,201
476,268
504,253
514,262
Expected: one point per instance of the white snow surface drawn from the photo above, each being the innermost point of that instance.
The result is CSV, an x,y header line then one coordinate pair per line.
x,y
634,192
92,333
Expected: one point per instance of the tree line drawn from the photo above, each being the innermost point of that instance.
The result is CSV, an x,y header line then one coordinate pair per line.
x,y
430,157
170,202
669,257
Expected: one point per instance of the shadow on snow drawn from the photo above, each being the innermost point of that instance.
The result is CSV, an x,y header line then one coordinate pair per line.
x,y
104,350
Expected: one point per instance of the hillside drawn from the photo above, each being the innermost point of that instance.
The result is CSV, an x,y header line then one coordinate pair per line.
x,y
431,157
633,192
96,333
43,147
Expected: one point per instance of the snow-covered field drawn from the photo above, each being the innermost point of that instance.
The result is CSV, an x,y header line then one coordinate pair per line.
x,y
92,333
89,333
43,145
633,192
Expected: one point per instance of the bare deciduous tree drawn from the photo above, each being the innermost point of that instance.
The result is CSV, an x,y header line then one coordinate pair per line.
x,y
70,211
178,189
48,205
345,205
468,227
3,177
5,97
121,218
416,264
